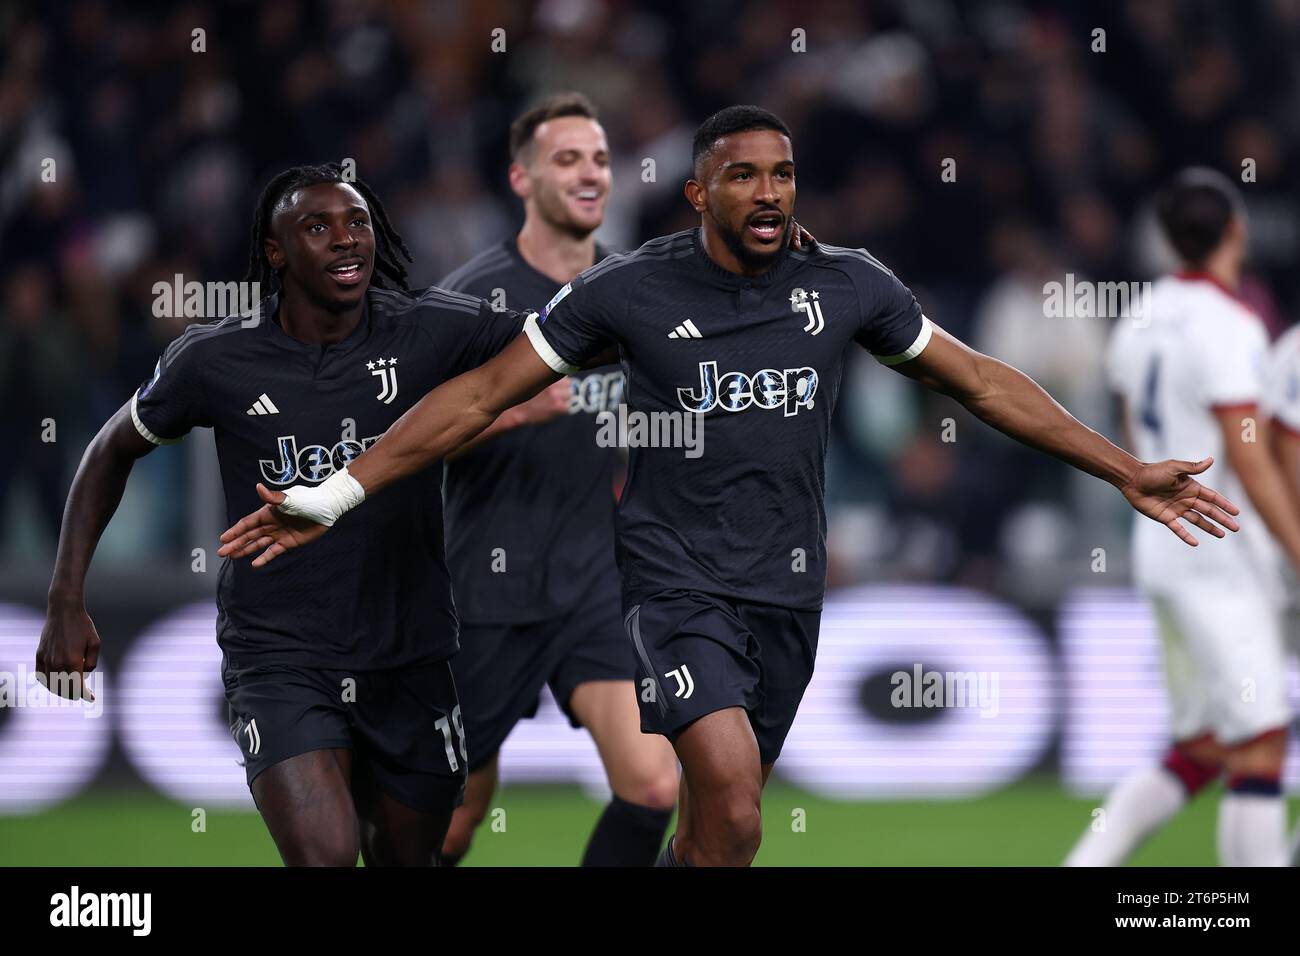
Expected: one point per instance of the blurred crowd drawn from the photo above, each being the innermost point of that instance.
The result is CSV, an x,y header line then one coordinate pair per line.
x,y
1053,137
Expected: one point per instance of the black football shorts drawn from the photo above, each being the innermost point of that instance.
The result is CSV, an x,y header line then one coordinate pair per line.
x,y
403,726
704,653
501,668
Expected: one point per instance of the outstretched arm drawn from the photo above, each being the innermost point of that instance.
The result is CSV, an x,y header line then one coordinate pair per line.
x,y
69,646
444,420
547,405
452,414
1015,404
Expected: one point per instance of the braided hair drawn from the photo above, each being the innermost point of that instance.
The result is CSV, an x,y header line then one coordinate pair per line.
x,y
388,241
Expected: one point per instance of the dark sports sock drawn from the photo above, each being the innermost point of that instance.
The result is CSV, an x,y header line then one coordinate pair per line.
x,y
626,835
669,856
451,859
1263,786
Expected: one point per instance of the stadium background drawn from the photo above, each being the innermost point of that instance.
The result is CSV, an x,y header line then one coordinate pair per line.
x,y
978,554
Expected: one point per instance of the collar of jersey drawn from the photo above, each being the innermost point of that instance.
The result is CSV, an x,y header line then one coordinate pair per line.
x,y
512,250
1199,275
734,280
271,308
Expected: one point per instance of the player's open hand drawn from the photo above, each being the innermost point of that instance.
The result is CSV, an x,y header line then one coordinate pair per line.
x,y
68,651
1165,491
270,528
801,238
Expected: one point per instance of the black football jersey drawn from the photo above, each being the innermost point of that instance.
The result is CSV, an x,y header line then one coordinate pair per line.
x,y
530,513
374,593
759,361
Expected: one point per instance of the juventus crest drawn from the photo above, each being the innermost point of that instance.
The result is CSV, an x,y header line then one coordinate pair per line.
x,y
387,372
805,302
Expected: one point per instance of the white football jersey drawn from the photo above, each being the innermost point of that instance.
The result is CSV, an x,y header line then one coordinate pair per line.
x,y
1282,385
1201,351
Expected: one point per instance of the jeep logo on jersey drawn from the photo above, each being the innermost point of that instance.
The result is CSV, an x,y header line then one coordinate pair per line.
x,y
596,393
387,373
790,389
314,463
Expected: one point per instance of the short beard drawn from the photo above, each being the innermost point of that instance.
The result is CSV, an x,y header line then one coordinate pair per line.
x,y
558,220
751,261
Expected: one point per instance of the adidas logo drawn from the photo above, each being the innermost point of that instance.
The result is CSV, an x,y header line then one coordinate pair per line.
x,y
263,406
686,330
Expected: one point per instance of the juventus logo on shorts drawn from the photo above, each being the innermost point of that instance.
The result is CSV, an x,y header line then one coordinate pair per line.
x,y
254,737
685,685
801,302
387,372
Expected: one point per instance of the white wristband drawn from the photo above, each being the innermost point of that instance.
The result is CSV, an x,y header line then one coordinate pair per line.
x,y
325,503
